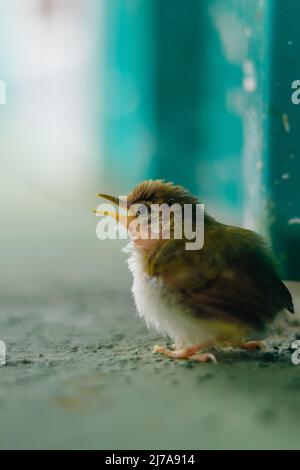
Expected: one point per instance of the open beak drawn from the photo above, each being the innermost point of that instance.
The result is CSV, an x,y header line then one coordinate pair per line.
x,y
124,219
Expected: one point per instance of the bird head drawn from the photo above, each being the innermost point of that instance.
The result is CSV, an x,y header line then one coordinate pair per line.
x,y
143,205
159,192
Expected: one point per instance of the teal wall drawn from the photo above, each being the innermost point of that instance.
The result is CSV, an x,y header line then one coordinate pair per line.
x,y
167,84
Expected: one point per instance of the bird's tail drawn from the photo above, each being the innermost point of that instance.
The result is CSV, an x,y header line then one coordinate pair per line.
x,y
285,324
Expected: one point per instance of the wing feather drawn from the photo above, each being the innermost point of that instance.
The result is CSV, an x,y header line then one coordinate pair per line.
x,y
233,276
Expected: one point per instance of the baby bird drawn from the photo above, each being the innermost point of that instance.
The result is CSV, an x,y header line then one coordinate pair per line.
x,y
222,294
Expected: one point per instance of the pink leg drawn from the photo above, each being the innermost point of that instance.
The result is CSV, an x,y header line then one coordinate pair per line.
x,y
187,353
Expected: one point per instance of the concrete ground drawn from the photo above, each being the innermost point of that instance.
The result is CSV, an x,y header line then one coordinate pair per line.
x,y
80,374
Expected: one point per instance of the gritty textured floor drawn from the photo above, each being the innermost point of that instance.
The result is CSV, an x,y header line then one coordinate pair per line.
x,y
80,374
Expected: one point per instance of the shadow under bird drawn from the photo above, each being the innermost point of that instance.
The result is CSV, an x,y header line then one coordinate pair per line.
x,y
222,294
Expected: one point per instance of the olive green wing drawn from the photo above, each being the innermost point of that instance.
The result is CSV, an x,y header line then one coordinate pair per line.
x,y
220,281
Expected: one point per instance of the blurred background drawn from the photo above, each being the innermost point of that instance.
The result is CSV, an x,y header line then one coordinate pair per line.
x,y
101,94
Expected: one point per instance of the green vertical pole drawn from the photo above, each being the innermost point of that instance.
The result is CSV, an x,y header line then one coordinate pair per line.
x,y
199,139
127,96
284,137
178,33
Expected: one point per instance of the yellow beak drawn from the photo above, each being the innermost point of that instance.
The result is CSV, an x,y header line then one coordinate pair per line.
x,y
123,219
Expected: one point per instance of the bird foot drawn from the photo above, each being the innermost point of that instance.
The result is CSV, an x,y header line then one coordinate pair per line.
x,y
251,345
186,353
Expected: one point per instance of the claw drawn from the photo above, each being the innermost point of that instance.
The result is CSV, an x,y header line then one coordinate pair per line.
x,y
205,357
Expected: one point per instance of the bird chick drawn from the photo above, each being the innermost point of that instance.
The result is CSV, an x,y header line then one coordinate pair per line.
x,y
222,294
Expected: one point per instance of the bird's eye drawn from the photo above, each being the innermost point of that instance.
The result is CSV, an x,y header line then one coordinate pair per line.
x,y
141,211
